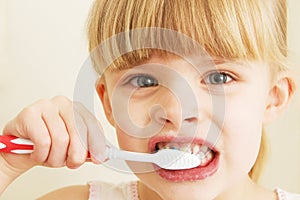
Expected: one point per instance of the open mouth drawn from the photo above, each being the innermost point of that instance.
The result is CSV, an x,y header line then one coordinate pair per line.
x,y
203,152
207,154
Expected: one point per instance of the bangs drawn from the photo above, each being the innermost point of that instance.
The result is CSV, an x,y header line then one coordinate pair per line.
x,y
229,29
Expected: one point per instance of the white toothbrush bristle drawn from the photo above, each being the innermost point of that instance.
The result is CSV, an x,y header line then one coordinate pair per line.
x,y
172,159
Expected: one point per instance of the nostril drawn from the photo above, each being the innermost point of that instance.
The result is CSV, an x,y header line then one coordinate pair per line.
x,y
191,119
168,121
165,121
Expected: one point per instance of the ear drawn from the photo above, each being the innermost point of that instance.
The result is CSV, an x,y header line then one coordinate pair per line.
x,y
279,97
104,97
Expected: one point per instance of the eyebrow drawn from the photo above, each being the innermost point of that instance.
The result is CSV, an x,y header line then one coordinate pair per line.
x,y
221,61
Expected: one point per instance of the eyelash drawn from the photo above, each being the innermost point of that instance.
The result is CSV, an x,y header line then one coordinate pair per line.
x,y
134,81
208,80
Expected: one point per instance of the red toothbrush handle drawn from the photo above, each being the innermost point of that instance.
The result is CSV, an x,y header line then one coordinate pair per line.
x,y
13,144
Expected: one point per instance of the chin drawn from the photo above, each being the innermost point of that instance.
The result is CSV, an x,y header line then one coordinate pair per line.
x,y
205,189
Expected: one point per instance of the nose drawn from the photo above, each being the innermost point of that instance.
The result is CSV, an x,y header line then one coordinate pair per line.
x,y
177,110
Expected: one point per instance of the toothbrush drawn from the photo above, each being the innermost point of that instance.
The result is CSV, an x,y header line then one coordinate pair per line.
x,y
170,159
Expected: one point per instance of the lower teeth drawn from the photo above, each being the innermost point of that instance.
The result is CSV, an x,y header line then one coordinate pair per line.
x,y
207,159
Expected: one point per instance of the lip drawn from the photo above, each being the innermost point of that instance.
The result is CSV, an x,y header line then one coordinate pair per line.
x,y
194,174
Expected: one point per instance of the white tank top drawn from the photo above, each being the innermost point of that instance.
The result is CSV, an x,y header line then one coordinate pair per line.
x,y
128,191
108,191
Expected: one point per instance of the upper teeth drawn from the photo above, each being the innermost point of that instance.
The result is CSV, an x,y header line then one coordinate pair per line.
x,y
191,148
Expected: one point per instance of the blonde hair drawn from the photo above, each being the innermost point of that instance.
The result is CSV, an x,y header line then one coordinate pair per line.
x,y
229,29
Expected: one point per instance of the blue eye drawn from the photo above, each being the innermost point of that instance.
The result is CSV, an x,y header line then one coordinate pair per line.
x,y
217,78
143,81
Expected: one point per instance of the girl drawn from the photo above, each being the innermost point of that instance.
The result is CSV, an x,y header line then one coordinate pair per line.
x,y
202,76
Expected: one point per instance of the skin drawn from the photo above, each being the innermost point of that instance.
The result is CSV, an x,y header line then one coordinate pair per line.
x,y
238,143
241,127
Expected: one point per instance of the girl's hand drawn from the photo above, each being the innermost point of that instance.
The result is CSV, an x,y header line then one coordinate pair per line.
x,y
63,133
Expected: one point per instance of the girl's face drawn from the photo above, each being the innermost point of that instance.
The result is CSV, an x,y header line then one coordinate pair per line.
x,y
215,112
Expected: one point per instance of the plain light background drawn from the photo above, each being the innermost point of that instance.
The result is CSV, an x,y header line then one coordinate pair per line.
x,y
42,48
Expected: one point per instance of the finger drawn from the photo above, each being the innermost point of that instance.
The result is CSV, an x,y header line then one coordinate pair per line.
x,y
59,137
95,137
76,128
30,125
78,149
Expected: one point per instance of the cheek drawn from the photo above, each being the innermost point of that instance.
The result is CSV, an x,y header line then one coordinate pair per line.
x,y
133,109
242,150
139,112
132,114
242,131
130,143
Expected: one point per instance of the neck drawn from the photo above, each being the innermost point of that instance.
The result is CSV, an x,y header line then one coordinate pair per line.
x,y
238,191
245,189
146,193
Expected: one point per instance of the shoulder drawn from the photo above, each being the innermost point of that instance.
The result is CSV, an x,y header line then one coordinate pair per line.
x,y
95,190
76,192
